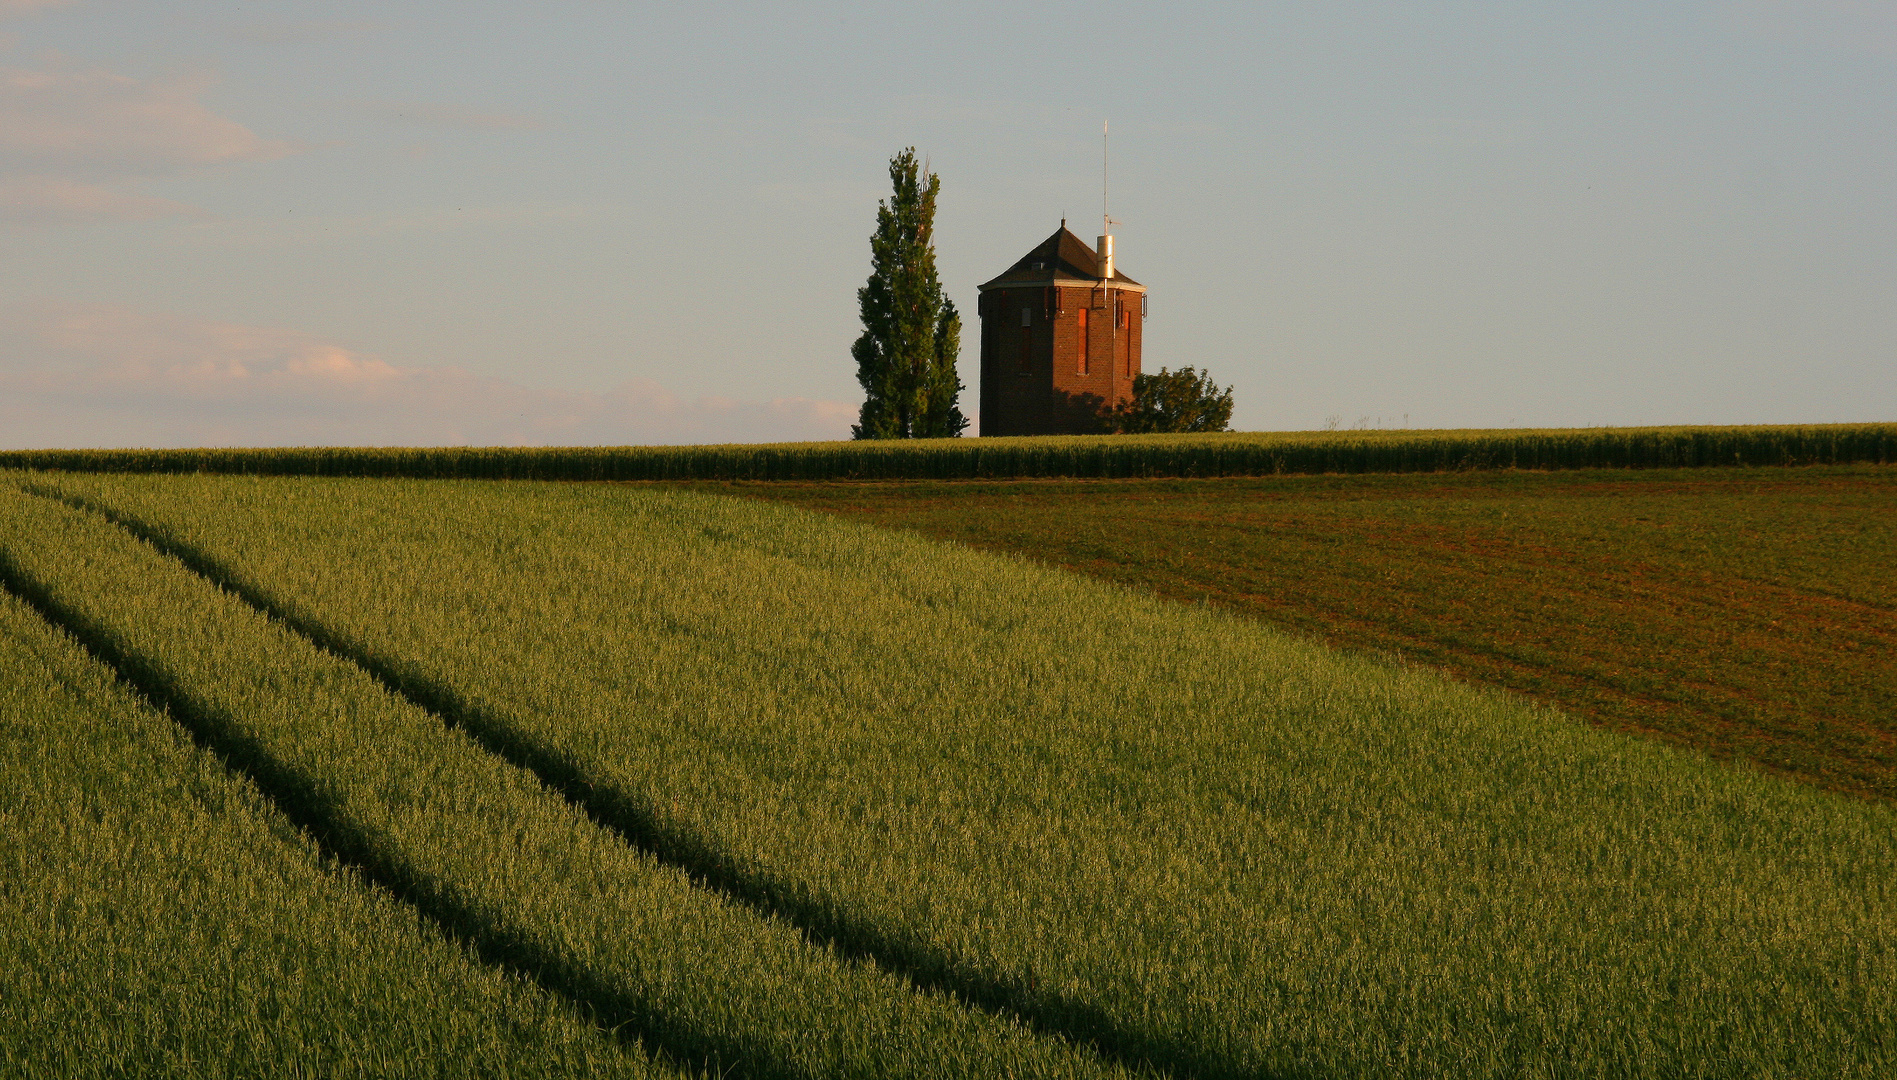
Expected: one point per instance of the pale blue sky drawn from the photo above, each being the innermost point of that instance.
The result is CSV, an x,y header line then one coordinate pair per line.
x,y
593,222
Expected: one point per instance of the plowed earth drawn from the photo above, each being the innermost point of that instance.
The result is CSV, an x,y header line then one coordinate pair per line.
x,y
1751,613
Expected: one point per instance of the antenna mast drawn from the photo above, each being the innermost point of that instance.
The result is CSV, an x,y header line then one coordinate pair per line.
x,y
1106,219
1106,262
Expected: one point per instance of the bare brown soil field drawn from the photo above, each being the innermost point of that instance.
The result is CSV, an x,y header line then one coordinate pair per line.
x,y
1747,612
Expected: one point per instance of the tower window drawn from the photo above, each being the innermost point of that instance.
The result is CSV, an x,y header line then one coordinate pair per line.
x,y
1080,326
1024,356
1027,316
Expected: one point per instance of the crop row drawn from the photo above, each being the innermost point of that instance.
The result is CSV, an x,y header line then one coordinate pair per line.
x,y
1173,834
1229,454
481,848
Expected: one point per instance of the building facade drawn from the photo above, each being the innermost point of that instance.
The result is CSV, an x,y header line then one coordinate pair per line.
x,y
1060,339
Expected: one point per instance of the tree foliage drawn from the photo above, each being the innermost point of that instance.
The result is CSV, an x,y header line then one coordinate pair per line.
x,y
1171,401
905,358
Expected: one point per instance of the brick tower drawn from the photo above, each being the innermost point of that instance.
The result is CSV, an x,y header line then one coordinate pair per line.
x,y
1060,339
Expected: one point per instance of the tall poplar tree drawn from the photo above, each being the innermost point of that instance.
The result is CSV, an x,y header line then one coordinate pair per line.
x,y
905,358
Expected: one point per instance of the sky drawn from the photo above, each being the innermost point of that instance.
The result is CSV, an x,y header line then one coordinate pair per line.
x,y
602,223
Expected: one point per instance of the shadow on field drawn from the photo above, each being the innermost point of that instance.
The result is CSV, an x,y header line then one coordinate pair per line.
x,y
820,923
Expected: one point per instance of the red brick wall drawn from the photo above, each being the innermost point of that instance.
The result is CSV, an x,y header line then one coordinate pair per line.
x,y
1054,397
1013,402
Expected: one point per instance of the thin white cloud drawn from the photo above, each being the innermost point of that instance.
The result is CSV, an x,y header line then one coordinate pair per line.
x,y
71,138
96,375
96,119
53,200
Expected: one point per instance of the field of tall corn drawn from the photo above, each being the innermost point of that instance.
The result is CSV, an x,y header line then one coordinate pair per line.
x,y
1227,454
760,791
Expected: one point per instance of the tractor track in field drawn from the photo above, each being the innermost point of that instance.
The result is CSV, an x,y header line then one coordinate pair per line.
x,y
820,925
303,804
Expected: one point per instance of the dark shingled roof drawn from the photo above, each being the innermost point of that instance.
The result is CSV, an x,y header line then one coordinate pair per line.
x,y
1060,259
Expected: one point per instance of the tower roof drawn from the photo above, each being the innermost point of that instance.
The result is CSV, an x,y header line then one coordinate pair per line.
x,y
1061,259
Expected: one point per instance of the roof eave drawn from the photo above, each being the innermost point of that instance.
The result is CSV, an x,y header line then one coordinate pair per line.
x,y
1005,282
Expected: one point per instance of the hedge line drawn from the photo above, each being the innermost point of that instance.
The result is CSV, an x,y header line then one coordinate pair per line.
x,y
1229,454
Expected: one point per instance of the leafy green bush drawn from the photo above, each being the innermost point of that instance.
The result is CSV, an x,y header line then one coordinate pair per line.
x,y
1173,402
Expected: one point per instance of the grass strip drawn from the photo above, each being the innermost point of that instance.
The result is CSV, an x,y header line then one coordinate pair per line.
x,y
159,919
1250,855
1224,454
484,849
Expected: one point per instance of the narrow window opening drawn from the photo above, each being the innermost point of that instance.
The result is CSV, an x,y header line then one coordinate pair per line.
x,y
1126,339
1081,335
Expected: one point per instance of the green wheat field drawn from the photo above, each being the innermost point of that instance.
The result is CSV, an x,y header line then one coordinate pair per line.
x,y
391,777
